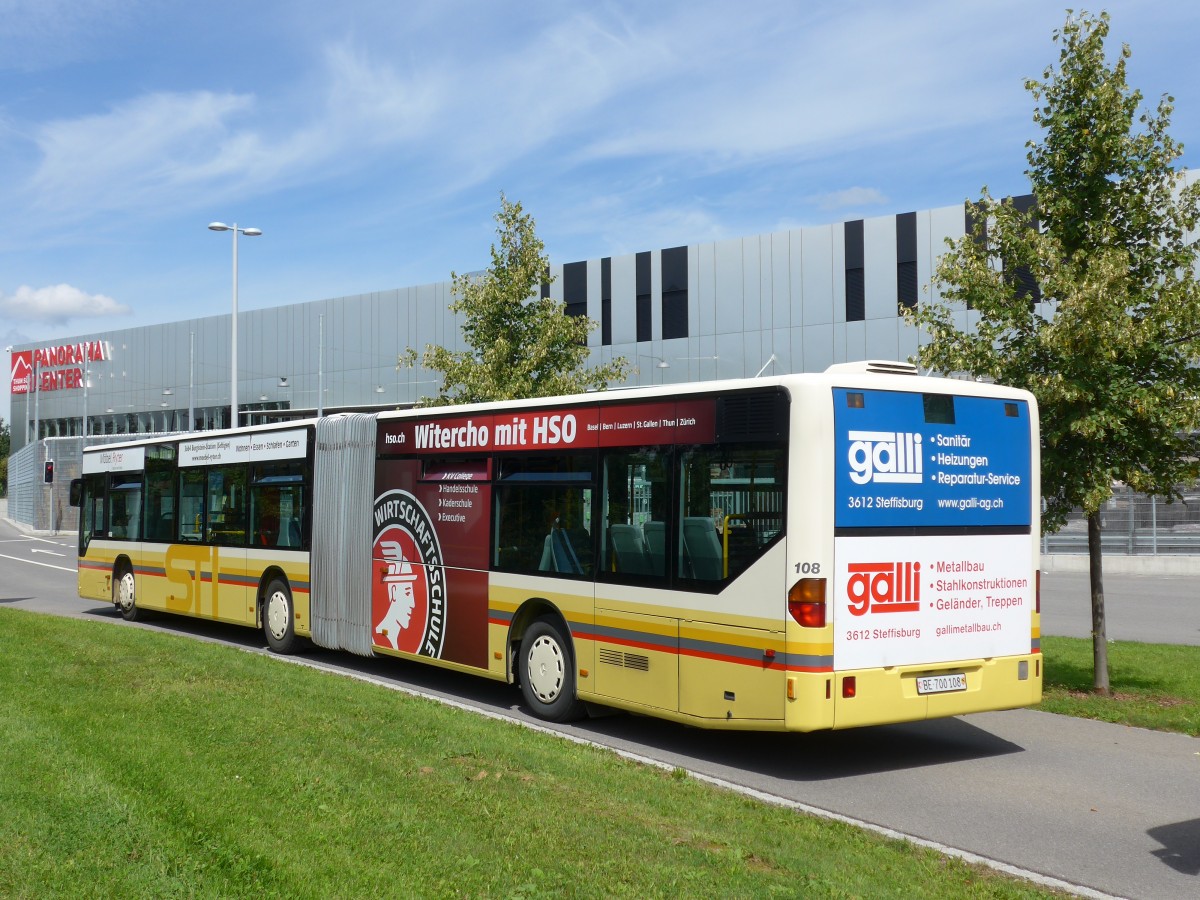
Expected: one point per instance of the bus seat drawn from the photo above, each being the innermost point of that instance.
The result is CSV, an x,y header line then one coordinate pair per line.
x,y
166,527
290,536
547,561
565,559
580,540
629,550
702,549
656,544
268,531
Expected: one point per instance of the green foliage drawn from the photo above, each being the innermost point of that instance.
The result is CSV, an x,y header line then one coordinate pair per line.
x,y
519,344
1110,352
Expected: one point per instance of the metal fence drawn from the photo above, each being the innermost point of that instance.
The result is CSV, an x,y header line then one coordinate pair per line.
x,y
1133,524
47,507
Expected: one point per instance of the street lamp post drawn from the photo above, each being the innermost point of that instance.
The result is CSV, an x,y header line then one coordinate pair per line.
x,y
233,383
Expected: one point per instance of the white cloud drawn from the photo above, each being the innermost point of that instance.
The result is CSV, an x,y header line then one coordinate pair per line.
x,y
856,197
57,304
140,151
375,101
162,151
717,86
760,82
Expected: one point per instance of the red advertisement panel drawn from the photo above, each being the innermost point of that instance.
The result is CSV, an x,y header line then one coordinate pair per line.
x,y
561,428
662,422
430,555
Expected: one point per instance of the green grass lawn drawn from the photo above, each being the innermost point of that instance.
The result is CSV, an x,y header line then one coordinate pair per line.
x,y
1154,685
140,764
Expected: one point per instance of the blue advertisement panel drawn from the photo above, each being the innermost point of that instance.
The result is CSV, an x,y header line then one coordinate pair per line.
x,y
912,460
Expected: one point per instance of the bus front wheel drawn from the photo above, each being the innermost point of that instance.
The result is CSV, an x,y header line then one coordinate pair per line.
x,y
124,594
279,618
547,669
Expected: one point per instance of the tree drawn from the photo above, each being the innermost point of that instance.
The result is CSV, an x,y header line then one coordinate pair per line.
x,y
519,344
1110,349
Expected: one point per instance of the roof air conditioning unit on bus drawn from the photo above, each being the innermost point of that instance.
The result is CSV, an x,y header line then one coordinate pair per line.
x,y
873,366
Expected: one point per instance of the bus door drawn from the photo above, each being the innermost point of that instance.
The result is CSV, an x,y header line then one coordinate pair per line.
x,y
637,620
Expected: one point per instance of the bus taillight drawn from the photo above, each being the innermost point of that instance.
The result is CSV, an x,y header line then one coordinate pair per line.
x,y
806,602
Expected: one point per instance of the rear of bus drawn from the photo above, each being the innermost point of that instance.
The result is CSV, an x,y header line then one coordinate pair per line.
x,y
931,607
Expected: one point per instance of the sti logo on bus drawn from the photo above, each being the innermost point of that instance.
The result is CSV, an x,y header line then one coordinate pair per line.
x,y
884,587
885,456
408,584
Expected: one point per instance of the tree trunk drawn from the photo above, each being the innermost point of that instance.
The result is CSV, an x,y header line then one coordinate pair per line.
x,y
1099,636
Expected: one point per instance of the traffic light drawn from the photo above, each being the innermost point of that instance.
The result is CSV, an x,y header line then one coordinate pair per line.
x,y
48,474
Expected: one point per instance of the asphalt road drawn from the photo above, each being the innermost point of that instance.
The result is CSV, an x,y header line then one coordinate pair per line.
x,y
1160,609
1114,810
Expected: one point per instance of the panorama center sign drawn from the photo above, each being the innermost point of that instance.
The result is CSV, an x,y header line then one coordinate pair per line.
x,y
55,368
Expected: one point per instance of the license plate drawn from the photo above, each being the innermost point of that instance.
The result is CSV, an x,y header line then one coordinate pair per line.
x,y
941,684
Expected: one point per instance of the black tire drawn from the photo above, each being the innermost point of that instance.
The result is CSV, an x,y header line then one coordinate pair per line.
x,y
546,664
125,593
279,618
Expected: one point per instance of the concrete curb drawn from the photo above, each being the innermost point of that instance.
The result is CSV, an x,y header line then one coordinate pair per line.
x,y
1125,565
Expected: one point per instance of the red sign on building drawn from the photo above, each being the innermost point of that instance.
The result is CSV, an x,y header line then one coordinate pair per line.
x,y
57,368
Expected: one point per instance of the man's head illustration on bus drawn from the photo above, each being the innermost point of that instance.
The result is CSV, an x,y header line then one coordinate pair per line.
x,y
399,578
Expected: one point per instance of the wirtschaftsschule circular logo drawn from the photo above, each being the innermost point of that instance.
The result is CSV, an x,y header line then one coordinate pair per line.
x,y
408,585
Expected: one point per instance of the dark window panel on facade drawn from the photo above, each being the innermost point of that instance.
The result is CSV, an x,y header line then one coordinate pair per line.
x,y
645,322
606,301
675,293
906,260
856,291
575,288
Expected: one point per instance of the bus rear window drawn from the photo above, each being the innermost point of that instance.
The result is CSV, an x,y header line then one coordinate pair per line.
x,y
939,409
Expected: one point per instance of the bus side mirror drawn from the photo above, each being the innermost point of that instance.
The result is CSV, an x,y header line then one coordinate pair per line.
x,y
76,491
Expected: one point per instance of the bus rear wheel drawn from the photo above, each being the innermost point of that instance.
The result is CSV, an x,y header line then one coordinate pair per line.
x,y
279,618
547,671
125,594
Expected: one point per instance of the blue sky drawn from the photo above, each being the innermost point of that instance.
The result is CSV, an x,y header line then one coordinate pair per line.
x,y
370,140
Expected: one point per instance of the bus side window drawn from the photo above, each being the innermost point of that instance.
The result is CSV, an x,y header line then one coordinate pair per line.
x,y
544,515
227,505
731,508
543,528
124,507
277,504
636,502
159,524
191,504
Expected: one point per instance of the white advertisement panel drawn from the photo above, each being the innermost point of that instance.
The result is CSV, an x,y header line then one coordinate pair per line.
x,y
124,459
258,446
901,600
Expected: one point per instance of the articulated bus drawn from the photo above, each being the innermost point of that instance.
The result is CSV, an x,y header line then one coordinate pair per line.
x,y
803,552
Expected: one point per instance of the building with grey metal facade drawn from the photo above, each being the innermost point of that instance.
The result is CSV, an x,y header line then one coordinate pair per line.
x,y
788,301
